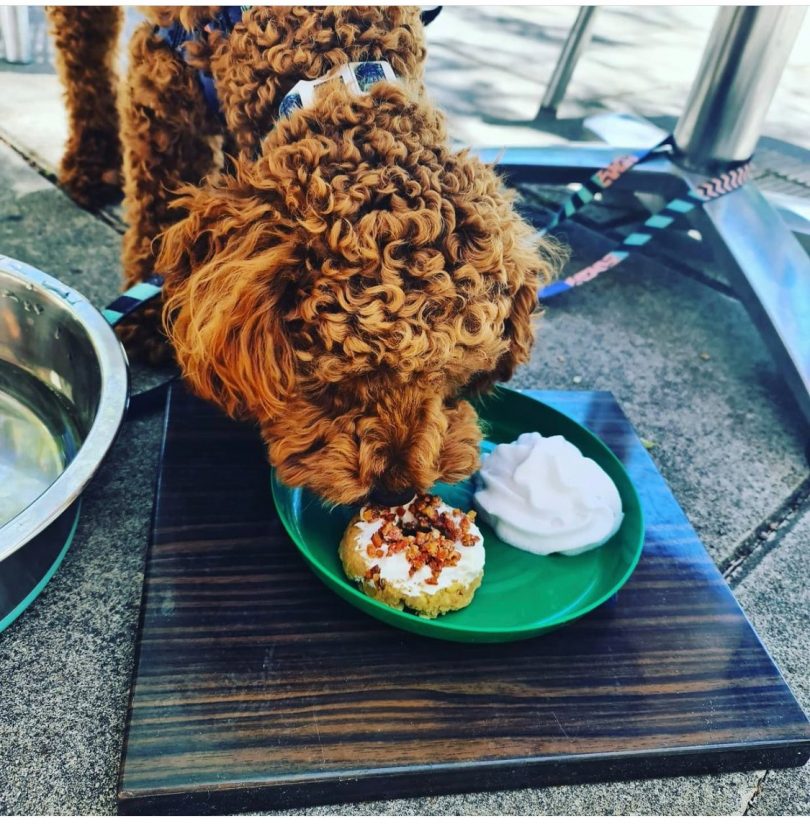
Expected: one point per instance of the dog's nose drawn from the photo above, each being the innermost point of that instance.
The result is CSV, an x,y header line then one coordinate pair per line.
x,y
385,497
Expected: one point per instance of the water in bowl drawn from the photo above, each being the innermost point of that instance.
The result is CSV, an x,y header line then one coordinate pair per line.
x,y
38,439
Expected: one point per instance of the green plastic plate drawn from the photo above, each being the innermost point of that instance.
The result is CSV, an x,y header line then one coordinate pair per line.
x,y
522,594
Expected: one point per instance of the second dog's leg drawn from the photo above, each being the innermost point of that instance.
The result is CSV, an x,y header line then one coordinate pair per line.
x,y
169,138
85,39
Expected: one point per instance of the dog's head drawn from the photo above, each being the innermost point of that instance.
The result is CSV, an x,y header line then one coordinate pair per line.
x,y
348,287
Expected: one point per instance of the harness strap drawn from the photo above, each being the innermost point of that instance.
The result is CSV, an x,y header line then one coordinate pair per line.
x,y
131,300
175,36
135,297
429,14
358,78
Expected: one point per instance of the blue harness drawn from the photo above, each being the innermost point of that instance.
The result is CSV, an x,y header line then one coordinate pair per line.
x,y
176,36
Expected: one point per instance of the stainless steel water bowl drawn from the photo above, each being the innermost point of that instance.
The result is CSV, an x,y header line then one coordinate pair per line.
x,y
63,394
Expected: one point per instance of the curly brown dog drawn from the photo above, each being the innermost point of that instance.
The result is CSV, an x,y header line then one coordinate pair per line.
x,y
342,277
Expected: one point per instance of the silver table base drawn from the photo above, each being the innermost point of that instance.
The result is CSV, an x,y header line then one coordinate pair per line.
x,y
768,268
741,66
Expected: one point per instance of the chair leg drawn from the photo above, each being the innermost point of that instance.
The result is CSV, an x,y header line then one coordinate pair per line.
x,y
578,39
14,27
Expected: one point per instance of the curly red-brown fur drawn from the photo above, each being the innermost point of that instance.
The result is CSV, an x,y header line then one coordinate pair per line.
x,y
85,40
273,48
345,279
169,138
188,17
345,288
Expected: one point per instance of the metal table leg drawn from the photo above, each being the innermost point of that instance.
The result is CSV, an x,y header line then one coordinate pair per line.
x,y
14,25
741,67
576,42
575,161
740,70
770,273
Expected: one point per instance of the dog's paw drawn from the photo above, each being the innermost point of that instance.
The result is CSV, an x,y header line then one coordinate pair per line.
x,y
90,171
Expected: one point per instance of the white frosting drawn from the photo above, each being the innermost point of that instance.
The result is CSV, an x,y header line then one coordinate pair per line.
x,y
542,495
394,568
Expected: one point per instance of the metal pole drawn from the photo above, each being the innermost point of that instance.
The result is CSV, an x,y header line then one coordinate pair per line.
x,y
16,33
742,64
575,44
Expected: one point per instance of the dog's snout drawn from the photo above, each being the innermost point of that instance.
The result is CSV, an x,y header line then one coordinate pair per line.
x,y
386,497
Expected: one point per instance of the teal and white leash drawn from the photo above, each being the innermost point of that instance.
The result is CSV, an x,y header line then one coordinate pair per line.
x,y
599,181
653,226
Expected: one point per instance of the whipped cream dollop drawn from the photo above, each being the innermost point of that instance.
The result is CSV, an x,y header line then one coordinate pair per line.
x,y
542,495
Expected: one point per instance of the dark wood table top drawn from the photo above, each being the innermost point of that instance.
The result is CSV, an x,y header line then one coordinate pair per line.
x,y
257,687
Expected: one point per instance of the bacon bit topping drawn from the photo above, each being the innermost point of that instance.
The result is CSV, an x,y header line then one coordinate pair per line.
x,y
391,532
373,575
428,538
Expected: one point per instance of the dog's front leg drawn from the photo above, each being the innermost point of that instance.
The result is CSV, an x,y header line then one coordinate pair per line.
x,y
169,138
85,40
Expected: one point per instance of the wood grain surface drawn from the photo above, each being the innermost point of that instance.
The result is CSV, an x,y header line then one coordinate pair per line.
x,y
257,687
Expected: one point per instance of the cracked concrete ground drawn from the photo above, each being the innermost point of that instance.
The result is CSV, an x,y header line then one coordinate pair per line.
x,y
678,352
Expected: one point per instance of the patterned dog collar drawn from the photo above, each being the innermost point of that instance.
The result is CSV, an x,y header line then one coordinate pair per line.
x,y
358,78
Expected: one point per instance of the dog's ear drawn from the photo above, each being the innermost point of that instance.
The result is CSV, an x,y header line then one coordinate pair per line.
x,y
225,287
519,329
511,259
423,440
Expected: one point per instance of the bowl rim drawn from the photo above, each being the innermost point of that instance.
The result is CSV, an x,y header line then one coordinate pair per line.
x,y
461,632
112,404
